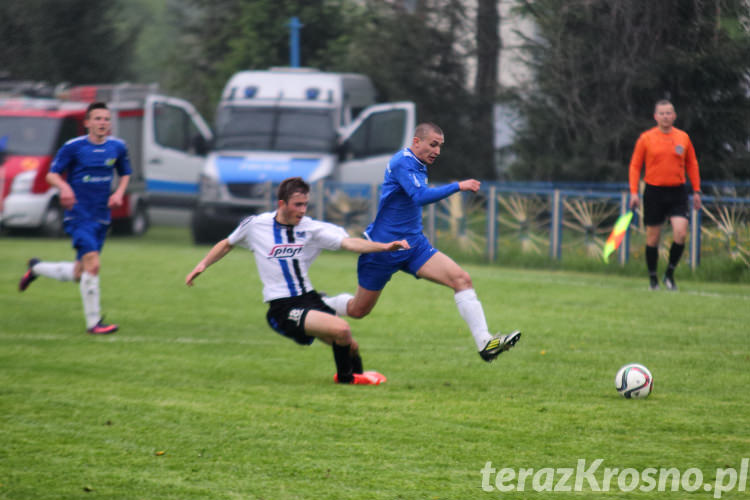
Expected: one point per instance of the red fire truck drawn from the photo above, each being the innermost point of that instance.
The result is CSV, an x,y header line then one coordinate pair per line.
x,y
163,134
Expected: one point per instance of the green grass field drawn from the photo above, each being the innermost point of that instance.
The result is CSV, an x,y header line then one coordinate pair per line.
x,y
197,398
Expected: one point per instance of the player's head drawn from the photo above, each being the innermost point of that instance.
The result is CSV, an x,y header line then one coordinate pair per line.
x,y
293,196
664,114
428,139
98,120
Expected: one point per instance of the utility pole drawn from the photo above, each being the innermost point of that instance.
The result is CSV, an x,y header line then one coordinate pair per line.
x,y
294,28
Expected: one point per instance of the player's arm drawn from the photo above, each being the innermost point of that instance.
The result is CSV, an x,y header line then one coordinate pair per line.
x,y
691,166
124,171
412,182
361,245
214,255
67,196
634,171
115,199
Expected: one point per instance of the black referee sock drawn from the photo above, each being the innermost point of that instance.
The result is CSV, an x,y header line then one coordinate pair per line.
x,y
675,252
652,259
343,358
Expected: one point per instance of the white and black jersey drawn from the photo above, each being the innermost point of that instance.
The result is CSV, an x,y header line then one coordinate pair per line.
x,y
284,253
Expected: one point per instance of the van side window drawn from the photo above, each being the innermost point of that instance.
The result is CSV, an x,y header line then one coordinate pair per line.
x,y
173,127
380,133
69,128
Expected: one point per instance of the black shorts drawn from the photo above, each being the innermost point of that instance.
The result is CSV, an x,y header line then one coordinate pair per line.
x,y
287,316
663,202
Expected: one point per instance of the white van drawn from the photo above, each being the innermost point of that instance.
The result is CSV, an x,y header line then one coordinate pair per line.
x,y
285,122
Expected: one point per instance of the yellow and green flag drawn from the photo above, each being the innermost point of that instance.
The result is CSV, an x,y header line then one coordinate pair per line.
x,y
617,234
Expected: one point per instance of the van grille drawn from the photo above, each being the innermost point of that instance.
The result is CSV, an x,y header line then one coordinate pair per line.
x,y
248,189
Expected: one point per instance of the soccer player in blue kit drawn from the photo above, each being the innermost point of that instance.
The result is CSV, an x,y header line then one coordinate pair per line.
x,y
405,191
89,162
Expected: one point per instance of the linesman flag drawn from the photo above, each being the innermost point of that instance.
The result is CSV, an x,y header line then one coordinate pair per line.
x,y
617,234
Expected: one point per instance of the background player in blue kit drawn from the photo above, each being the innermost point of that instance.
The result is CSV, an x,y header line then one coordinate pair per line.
x,y
399,216
89,163
285,244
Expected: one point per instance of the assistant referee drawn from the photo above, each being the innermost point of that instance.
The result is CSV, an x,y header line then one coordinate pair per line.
x,y
668,155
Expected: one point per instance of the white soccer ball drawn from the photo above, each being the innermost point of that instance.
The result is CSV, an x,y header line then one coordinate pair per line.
x,y
634,381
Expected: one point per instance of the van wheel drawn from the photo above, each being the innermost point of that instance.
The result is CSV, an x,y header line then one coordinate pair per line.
x,y
203,230
52,220
135,225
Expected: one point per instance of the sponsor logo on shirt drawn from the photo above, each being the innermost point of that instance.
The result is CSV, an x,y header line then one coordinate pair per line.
x,y
285,251
97,178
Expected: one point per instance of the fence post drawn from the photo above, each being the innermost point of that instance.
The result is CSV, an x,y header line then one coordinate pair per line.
x,y
431,234
319,196
492,224
625,246
555,233
269,196
373,206
695,238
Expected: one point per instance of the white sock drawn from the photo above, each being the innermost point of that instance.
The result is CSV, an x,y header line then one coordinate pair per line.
x,y
60,271
338,303
471,311
90,294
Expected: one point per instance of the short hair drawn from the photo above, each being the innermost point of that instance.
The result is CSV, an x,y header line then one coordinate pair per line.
x,y
663,102
95,105
425,128
290,186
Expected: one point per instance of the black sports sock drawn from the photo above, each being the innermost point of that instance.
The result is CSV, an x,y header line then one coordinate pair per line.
x,y
343,358
357,363
675,252
652,259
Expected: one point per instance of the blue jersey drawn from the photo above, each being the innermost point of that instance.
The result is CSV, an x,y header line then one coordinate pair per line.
x,y
404,192
90,169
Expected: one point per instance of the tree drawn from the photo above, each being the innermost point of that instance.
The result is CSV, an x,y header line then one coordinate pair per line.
x,y
421,56
486,86
600,65
76,41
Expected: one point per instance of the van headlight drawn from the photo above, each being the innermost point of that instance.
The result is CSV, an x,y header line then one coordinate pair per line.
x,y
23,182
209,188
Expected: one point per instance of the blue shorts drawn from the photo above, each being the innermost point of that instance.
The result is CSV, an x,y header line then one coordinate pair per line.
x,y
88,235
374,270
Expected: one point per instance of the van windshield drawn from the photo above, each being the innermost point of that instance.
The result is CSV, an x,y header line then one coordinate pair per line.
x,y
275,129
31,136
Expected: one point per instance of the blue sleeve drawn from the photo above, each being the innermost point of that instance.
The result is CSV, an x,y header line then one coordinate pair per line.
x,y
415,185
123,162
63,159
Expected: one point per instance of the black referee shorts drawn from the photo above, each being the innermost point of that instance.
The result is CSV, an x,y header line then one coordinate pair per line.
x,y
287,315
663,202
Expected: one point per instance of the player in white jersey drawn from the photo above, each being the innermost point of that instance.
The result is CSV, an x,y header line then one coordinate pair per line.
x,y
285,243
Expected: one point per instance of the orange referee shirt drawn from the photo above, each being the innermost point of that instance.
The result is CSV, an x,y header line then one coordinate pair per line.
x,y
667,157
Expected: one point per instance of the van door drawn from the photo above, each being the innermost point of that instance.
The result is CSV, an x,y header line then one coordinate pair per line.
x,y
175,144
377,134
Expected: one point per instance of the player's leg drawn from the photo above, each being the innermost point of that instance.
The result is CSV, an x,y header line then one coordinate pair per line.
x,y
60,271
363,302
679,234
374,270
653,235
89,239
336,332
654,216
443,270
